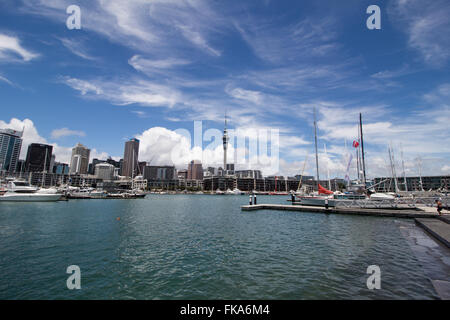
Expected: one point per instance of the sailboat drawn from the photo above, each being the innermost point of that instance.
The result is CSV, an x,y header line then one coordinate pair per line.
x,y
317,199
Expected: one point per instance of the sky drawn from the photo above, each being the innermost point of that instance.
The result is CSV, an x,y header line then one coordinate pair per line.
x,y
148,68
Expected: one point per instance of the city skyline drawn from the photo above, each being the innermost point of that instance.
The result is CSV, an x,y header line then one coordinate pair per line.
x,y
162,77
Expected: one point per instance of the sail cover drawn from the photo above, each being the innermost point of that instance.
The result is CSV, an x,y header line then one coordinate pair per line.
x,y
322,190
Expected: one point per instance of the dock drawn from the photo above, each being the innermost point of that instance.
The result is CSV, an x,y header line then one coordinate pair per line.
x,y
398,213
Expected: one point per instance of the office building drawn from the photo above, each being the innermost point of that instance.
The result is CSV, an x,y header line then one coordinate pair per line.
x,y
130,158
80,159
104,171
160,173
39,157
10,145
195,170
60,168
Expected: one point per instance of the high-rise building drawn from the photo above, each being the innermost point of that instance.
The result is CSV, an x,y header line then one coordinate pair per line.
x,y
39,157
79,162
104,171
10,145
195,170
182,174
160,173
130,158
61,168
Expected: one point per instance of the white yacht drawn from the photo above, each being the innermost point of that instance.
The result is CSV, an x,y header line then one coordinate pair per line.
x,y
22,191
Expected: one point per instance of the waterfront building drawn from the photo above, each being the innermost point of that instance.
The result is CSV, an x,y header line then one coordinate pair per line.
x,y
160,173
80,159
425,183
230,169
182,174
253,174
61,168
161,177
130,158
20,167
38,157
195,170
210,171
10,145
190,184
104,171
223,183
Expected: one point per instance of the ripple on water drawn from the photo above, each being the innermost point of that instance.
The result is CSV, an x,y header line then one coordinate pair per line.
x,y
200,247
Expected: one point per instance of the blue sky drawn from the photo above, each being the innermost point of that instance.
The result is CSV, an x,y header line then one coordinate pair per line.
x,y
146,68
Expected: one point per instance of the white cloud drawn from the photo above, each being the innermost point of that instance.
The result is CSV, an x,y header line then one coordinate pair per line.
x,y
83,86
6,80
426,26
31,135
247,95
65,132
149,65
126,92
197,39
161,146
11,49
77,47
141,24
270,42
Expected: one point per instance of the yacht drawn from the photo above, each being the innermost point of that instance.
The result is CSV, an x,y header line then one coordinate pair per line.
x,y
22,191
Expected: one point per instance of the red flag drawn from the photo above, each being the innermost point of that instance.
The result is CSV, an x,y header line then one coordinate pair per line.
x,y
355,144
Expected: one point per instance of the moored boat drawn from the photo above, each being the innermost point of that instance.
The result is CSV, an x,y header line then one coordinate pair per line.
x,y
22,191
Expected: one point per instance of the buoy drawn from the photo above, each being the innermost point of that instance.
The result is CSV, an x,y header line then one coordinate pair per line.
x,y
118,218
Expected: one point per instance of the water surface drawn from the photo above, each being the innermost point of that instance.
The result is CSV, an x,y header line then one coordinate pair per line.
x,y
200,247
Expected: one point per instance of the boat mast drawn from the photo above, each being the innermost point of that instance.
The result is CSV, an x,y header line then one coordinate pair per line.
x,y
358,166
317,155
303,170
403,167
45,169
328,169
394,176
419,160
362,150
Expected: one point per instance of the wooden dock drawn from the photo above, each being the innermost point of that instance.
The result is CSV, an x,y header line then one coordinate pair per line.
x,y
403,213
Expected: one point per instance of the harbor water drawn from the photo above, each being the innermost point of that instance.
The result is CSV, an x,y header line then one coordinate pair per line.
x,y
201,247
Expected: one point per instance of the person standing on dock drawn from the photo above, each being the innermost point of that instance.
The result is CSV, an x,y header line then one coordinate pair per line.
x,y
439,206
326,203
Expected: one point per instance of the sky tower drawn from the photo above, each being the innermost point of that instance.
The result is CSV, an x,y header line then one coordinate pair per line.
x,y
225,144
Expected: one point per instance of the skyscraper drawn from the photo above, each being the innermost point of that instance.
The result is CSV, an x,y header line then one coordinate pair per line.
x,y
79,162
39,157
195,170
130,158
10,145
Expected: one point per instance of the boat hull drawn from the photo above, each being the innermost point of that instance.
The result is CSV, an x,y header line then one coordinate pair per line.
x,y
30,197
315,201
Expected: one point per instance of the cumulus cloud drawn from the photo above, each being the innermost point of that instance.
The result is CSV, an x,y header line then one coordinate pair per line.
x,y
161,146
31,135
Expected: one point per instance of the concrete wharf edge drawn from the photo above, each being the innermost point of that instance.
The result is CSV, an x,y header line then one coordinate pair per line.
x,y
437,228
